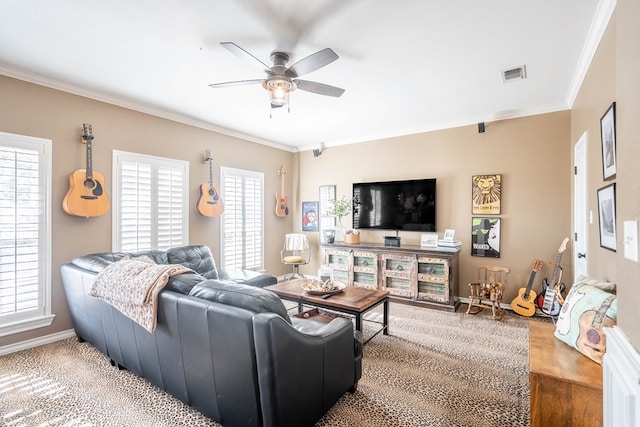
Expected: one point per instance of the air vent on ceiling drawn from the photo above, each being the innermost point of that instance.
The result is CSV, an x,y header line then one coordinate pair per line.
x,y
516,73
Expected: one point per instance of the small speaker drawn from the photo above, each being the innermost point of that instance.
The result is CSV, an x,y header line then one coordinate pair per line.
x,y
392,241
317,152
481,127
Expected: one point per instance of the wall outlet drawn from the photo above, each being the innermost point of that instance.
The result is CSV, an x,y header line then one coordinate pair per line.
x,y
630,240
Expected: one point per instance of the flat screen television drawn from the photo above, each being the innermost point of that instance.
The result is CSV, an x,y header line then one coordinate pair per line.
x,y
395,205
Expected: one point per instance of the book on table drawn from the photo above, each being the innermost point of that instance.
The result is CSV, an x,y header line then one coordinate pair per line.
x,y
450,243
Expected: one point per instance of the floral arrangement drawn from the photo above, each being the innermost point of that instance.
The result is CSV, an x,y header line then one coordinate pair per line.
x,y
339,207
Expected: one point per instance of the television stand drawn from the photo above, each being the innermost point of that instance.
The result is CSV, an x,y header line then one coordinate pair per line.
x,y
413,275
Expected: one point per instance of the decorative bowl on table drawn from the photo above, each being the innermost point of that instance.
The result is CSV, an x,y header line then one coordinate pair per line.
x,y
316,287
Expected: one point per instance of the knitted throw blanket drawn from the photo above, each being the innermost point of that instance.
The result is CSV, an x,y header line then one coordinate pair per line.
x,y
132,286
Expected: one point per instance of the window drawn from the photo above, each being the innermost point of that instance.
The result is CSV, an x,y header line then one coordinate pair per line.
x,y
25,233
242,225
151,199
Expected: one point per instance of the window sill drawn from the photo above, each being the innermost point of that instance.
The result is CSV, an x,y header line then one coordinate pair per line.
x,y
26,325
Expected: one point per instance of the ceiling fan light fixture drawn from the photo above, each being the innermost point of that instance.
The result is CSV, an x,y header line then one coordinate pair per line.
x,y
279,89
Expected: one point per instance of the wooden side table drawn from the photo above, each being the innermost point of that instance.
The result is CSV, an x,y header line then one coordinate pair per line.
x,y
566,386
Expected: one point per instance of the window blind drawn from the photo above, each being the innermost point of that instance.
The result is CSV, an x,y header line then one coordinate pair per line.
x,y
151,202
24,231
243,219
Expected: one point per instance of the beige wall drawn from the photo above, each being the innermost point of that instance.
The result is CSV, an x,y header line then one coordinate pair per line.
x,y
628,151
33,110
613,76
533,154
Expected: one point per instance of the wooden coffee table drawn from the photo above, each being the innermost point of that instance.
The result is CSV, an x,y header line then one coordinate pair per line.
x,y
353,301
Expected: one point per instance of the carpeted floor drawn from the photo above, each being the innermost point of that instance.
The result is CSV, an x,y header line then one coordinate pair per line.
x,y
435,369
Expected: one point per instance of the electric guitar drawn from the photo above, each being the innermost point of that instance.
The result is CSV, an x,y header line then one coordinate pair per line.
x,y
210,202
548,299
86,196
524,303
282,209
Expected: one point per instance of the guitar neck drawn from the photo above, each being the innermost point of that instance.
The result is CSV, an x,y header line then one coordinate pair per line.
x,y
554,274
88,138
210,174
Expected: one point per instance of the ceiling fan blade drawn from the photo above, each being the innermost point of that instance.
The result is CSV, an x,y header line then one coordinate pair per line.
x,y
319,88
244,55
235,83
311,63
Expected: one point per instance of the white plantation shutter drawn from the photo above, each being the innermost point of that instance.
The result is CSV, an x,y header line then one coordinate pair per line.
x,y
25,192
242,222
150,202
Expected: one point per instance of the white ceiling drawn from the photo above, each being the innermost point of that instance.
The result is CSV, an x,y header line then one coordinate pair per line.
x,y
407,66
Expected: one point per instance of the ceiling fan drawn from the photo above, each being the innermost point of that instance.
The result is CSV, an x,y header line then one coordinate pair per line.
x,y
282,80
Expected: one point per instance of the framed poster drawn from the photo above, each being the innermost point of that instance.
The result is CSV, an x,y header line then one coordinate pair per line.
x,y
607,216
608,140
309,216
485,237
486,191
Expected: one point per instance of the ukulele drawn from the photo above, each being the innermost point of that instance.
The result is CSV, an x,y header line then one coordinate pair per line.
x,y
548,298
209,203
86,196
282,209
524,304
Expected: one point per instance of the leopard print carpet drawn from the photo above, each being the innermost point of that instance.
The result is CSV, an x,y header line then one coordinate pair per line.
x,y
434,369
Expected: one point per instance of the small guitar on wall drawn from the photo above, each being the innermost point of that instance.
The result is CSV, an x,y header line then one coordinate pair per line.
x,y
282,208
86,196
210,202
524,303
548,298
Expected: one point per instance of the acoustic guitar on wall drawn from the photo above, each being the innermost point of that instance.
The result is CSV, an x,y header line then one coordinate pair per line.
x,y
86,196
282,208
210,202
524,303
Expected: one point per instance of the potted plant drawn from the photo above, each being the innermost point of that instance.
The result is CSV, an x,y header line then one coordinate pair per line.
x,y
339,208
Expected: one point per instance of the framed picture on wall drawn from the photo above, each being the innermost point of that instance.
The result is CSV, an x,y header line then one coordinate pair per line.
x,y
327,223
608,139
607,216
309,216
485,237
486,192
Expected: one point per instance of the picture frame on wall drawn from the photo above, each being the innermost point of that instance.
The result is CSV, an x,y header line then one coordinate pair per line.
x,y
326,222
309,216
608,140
486,194
607,216
485,237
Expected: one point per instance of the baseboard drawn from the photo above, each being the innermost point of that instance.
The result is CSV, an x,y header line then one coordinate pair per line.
x,y
36,342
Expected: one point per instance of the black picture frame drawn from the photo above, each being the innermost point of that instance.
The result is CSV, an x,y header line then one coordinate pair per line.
x,y
485,236
608,141
607,217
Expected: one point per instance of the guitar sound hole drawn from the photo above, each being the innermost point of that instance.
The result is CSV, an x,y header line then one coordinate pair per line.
x,y
89,184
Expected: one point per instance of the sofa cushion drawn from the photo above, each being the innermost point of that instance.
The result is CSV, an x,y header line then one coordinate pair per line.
x,y
196,257
248,297
183,283
586,311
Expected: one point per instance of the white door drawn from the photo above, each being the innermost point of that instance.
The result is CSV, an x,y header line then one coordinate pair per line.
x,y
580,213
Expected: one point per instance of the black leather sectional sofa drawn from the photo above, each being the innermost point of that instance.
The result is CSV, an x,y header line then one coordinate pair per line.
x,y
222,344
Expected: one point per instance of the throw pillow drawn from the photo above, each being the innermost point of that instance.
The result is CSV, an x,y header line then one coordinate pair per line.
x,y
586,310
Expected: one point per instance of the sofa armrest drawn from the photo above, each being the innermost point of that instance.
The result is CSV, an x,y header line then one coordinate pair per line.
x,y
302,375
247,277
